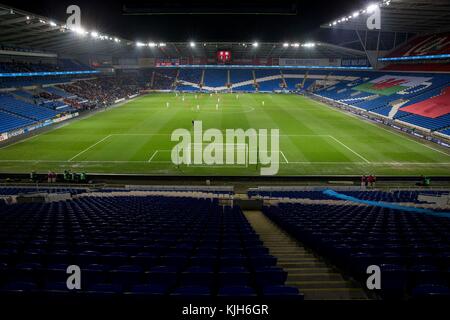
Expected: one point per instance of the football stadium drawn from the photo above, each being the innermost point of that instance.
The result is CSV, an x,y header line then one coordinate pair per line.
x,y
305,159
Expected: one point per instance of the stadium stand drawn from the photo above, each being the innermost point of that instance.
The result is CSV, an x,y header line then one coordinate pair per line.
x,y
397,196
215,78
419,93
242,80
138,247
9,104
268,80
100,91
60,65
9,122
163,79
189,79
411,249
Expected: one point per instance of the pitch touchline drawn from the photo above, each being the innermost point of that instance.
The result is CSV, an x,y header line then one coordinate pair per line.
x,y
290,162
168,134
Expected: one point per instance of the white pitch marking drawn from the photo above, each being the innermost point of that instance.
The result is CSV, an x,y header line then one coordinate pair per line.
x,y
284,157
291,162
89,148
151,158
382,128
348,148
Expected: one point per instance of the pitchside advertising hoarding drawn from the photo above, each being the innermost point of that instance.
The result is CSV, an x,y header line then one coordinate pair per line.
x,y
355,62
3,136
310,62
8,135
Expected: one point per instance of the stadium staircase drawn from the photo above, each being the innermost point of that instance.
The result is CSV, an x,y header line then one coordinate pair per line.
x,y
152,81
306,271
396,105
304,80
283,80
202,79
255,83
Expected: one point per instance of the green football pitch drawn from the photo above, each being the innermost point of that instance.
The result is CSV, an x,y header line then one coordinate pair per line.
x,y
135,138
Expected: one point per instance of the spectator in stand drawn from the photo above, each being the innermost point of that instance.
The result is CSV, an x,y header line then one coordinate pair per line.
x,y
363,181
104,91
371,180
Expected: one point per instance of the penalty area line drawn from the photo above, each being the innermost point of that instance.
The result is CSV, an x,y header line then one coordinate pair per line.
x,y
151,158
350,149
88,148
284,157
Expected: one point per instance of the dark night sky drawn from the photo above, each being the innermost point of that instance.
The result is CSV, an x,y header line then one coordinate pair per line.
x,y
107,17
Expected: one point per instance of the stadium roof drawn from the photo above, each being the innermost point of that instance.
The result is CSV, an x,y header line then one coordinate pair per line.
x,y
409,16
262,50
26,30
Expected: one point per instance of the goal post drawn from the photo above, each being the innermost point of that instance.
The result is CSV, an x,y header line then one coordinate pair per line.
x,y
221,154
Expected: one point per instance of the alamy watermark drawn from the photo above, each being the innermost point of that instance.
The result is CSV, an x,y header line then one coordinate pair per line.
x,y
237,147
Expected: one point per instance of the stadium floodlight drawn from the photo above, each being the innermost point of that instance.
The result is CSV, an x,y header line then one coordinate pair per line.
x,y
295,45
94,34
28,17
309,45
162,44
152,44
116,40
140,44
371,8
285,44
52,24
355,14
192,44
334,23
255,44
79,30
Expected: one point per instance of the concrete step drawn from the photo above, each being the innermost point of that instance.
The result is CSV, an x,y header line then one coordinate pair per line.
x,y
283,259
301,255
321,284
335,294
315,276
286,250
301,264
307,271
